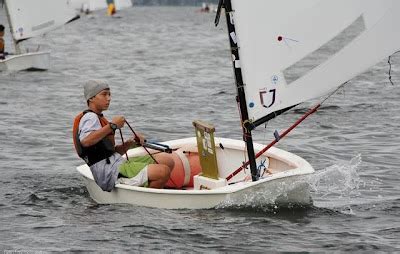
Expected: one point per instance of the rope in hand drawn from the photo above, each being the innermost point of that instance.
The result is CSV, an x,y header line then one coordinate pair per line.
x,y
123,144
137,139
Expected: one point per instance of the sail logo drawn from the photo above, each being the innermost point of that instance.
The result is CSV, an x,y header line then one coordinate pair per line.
x,y
267,97
20,31
274,79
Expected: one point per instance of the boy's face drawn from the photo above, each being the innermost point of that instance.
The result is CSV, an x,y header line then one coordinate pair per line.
x,y
102,100
1,33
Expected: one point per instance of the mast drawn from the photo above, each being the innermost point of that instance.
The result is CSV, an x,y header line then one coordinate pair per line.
x,y
16,46
241,97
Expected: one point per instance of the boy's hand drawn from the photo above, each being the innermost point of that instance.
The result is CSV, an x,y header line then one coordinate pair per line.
x,y
139,138
130,143
119,121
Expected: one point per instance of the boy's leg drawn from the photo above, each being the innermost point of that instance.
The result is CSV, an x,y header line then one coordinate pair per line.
x,y
165,159
158,175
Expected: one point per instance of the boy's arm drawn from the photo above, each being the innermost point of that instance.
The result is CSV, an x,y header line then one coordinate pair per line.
x,y
123,148
95,136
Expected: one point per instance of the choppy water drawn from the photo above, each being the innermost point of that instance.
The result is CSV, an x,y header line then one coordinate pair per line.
x,y
168,66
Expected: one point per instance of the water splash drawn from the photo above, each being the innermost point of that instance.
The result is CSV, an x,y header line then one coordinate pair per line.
x,y
340,180
337,185
288,192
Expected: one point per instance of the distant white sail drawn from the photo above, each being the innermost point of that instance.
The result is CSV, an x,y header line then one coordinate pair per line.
x,y
122,4
331,40
78,4
33,18
95,5
89,5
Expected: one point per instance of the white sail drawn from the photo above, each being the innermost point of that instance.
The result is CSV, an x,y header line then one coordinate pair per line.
x,y
33,18
78,4
89,5
122,4
293,51
95,5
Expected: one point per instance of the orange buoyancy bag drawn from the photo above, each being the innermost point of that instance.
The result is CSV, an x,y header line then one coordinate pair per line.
x,y
186,166
92,154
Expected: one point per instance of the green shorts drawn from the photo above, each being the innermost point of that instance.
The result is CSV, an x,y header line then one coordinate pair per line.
x,y
132,167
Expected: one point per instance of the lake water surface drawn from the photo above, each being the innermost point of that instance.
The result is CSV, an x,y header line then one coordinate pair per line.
x,y
168,66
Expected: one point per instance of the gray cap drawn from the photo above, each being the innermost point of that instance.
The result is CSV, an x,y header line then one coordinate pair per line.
x,y
93,87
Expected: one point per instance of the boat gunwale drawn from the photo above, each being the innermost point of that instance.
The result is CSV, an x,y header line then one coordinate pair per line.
x,y
15,56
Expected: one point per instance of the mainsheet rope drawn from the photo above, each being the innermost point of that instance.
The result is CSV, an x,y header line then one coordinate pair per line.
x,y
137,139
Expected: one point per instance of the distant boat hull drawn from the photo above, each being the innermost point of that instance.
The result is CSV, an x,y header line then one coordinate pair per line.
x,y
27,61
286,185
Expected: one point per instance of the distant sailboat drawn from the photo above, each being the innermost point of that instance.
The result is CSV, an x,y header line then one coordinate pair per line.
x,y
88,6
268,41
28,19
207,7
117,5
95,5
122,4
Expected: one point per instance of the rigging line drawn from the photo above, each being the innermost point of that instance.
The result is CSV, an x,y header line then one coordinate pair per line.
x,y
123,144
311,111
282,135
137,139
122,138
275,141
334,91
148,152
390,70
390,67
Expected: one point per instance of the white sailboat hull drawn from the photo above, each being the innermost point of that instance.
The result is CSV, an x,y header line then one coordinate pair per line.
x,y
286,185
26,61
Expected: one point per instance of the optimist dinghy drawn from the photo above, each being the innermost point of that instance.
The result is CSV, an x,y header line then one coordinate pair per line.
x,y
269,40
28,19
210,192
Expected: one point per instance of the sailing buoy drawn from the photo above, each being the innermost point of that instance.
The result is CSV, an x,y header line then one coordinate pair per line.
x,y
186,166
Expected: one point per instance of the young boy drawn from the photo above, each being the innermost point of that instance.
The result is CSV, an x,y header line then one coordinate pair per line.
x,y
94,142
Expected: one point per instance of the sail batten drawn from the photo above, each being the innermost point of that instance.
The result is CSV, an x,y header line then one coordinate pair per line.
x,y
294,51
